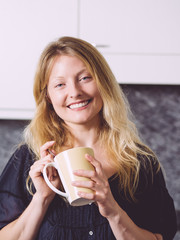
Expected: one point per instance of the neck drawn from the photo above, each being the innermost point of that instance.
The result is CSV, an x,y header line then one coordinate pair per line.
x,y
85,135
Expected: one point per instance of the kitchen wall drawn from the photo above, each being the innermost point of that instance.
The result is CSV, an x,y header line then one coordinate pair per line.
x,y
157,113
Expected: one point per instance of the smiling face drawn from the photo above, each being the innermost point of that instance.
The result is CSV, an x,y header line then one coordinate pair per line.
x,y
73,92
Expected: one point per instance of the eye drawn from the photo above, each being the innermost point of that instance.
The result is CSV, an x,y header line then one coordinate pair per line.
x,y
85,78
60,85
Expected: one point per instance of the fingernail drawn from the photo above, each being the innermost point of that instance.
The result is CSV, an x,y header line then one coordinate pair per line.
x,y
81,194
88,156
51,152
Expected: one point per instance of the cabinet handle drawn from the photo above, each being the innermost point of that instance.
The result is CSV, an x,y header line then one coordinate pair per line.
x,y
101,45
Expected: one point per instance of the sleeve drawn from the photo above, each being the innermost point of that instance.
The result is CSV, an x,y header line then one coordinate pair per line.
x,y
14,197
155,211
164,207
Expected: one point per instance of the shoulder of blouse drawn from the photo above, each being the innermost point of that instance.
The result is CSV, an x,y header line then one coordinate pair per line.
x,y
23,155
19,163
14,176
150,171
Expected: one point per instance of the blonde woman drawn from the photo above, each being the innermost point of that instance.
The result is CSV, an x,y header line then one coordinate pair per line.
x,y
79,103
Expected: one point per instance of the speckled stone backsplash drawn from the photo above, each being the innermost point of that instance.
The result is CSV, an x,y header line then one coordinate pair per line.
x,y
157,114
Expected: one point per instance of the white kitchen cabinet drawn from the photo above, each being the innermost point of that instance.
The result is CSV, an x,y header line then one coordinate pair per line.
x,y
26,27
140,39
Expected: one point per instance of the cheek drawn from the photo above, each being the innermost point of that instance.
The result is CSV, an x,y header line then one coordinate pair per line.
x,y
57,106
58,101
53,100
54,96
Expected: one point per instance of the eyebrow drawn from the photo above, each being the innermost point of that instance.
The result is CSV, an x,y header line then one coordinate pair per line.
x,y
82,71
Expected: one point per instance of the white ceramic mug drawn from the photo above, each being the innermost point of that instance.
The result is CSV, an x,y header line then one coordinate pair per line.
x,y
65,163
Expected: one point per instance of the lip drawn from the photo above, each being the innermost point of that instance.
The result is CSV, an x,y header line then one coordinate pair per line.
x,y
79,102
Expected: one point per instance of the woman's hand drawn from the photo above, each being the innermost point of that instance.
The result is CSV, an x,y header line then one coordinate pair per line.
x,y
42,189
108,207
121,224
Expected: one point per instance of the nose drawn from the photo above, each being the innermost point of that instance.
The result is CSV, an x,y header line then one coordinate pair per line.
x,y
74,90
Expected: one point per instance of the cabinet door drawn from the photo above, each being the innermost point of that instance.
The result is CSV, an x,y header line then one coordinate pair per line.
x,y
26,28
140,39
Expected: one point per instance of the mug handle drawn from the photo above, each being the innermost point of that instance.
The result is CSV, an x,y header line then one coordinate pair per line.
x,y
53,164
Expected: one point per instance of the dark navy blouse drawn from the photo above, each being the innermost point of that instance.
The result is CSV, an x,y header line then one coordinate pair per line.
x,y
153,210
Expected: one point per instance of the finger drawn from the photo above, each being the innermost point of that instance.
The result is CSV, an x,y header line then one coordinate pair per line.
x,y
93,161
44,148
42,162
90,196
84,184
51,173
36,171
89,174
98,188
85,173
52,152
97,165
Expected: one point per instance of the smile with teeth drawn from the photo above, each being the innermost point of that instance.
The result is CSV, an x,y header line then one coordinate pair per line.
x,y
79,105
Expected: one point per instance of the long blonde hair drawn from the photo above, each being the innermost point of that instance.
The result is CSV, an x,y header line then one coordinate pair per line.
x,y
118,133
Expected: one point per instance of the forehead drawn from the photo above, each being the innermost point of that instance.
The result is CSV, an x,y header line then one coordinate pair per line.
x,y
67,63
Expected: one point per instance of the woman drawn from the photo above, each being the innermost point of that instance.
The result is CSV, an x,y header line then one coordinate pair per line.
x,y
79,103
